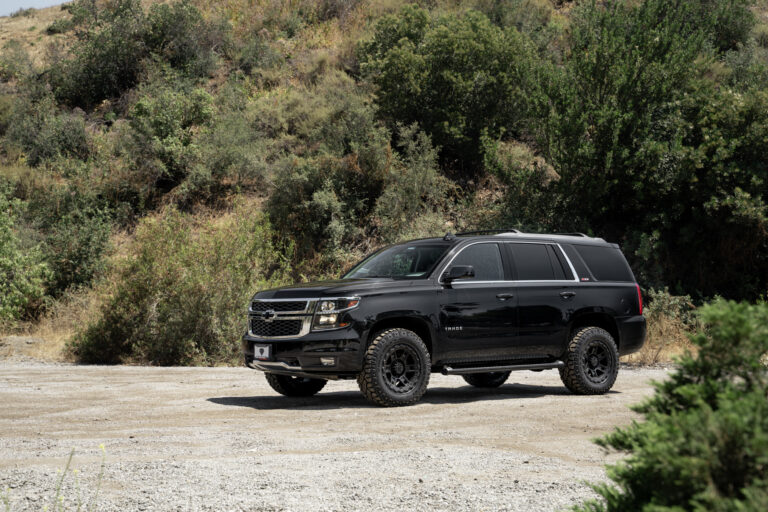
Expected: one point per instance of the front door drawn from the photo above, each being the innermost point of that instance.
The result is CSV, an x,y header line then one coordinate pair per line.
x,y
478,315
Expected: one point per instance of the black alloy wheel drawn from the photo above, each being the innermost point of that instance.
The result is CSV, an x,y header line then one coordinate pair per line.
x,y
400,368
591,362
395,368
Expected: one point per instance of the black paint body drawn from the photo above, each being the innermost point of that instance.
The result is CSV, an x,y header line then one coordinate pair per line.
x,y
464,323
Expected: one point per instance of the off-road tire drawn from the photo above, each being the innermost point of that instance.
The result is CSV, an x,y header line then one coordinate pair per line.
x,y
486,380
591,363
295,386
380,376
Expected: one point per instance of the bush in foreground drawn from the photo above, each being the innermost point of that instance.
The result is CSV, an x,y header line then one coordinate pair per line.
x,y
181,298
704,442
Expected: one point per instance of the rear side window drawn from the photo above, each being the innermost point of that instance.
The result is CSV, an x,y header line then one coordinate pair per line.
x,y
532,262
606,263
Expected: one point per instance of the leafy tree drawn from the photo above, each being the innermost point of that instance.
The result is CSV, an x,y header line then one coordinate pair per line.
x,y
457,76
704,442
650,154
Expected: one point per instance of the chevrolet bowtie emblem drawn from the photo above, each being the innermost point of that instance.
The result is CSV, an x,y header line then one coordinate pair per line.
x,y
269,315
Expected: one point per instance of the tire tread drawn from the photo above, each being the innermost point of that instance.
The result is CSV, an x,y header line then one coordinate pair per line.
x,y
571,374
366,379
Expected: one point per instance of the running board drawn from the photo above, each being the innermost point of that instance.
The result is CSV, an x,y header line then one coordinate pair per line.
x,y
447,370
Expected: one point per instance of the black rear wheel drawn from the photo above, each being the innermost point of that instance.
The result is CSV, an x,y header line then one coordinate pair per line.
x,y
486,380
592,362
295,386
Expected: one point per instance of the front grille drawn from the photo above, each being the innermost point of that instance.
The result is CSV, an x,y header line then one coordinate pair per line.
x,y
279,305
276,327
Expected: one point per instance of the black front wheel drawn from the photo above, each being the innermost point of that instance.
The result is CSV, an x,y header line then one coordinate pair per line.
x,y
395,369
295,386
592,362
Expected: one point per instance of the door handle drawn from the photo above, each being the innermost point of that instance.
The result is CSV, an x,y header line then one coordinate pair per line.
x,y
567,295
504,296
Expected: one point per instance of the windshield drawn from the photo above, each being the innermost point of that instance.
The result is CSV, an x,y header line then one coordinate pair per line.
x,y
406,261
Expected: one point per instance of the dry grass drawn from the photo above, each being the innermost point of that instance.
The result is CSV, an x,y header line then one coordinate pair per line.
x,y
667,339
30,32
55,328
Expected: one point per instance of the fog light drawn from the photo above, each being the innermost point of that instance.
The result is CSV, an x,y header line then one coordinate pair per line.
x,y
328,361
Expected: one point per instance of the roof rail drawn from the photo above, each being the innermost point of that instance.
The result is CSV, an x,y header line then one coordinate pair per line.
x,y
482,231
572,234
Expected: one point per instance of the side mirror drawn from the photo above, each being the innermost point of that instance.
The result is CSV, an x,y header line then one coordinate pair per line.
x,y
459,272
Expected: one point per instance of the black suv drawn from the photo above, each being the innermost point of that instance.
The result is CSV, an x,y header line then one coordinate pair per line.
x,y
477,306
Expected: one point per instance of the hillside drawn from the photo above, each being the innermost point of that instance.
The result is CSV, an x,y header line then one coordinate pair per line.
x,y
161,161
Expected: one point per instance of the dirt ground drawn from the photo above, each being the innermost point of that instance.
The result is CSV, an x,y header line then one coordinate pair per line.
x,y
221,439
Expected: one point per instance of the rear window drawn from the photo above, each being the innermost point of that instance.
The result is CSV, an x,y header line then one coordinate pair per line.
x,y
606,263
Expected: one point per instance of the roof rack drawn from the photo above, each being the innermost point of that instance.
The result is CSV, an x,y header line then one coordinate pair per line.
x,y
482,231
572,234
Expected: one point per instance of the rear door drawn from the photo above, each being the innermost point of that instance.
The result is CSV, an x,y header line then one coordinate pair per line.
x,y
545,286
478,316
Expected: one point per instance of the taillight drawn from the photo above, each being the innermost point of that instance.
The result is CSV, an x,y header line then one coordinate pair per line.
x,y
639,298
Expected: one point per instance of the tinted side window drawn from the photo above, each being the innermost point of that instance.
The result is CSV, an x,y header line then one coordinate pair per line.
x,y
486,260
532,262
606,263
558,261
576,261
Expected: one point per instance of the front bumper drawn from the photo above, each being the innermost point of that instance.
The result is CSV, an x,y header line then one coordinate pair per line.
x,y
304,357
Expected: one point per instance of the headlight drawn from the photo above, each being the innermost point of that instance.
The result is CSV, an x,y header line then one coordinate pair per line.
x,y
329,313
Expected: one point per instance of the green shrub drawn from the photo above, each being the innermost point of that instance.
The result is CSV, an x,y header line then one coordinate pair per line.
x,y
704,442
457,76
14,61
527,178
324,195
45,133
23,12
75,236
181,298
329,9
108,57
178,34
60,26
729,21
22,271
414,191
164,120
232,156
258,53
116,40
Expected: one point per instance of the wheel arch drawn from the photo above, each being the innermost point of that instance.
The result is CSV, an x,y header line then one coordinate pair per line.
x,y
596,319
418,325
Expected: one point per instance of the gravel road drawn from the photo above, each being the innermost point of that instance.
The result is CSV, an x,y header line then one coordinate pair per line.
x,y
221,439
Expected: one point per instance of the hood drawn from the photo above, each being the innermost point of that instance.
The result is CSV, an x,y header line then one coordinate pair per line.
x,y
333,288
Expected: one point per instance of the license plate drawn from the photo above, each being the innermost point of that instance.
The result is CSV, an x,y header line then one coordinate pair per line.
x,y
262,352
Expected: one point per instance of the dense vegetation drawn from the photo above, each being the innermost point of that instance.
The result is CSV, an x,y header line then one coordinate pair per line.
x,y
131,137
704,442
